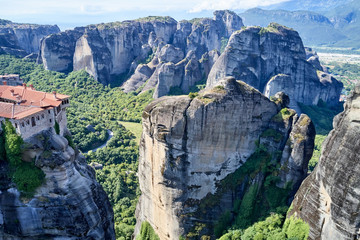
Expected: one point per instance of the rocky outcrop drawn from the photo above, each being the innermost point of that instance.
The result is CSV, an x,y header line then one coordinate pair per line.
x,y
70,204
313,58
328,200
91,54
196,153
57,50
22,39
262,57
129,44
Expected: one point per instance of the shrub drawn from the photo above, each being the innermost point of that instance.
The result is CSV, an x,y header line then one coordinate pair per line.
x,y
13,144
246,208
222,224
25,175
296,228
70,141
2,147
193,95
147,232
57,128
28,177
283,115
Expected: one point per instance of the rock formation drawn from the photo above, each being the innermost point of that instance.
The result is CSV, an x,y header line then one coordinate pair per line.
x,y
328,200
69,205
22,39
196,154
273,59
128,46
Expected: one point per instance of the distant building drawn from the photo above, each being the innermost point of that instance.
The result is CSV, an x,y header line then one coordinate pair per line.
x,y
32,111
11,80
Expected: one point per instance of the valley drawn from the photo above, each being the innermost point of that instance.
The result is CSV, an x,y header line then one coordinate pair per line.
x,y
195,129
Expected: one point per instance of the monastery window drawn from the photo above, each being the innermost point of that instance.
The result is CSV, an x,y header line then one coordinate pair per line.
x,y
42,116
50,120
38,118
33,123
28,122
22,124
16,125
49,111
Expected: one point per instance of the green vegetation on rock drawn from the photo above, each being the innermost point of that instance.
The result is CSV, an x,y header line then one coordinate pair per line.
x,y
147,232
25,175
272,228
101,107
284,115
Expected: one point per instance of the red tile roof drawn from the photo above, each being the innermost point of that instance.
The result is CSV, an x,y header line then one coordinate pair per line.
x,y
14,111
27,96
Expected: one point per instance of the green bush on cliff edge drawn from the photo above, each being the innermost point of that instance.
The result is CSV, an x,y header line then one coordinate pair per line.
x,y
25,175
147,232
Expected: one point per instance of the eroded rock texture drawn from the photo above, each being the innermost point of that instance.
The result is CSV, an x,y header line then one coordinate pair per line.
x,y
22,39
191,148
69,205
119,50
328,200
273,59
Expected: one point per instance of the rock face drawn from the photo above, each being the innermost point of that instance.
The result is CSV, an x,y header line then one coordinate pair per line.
x,y
23,39
191,147
328,200
262,57
110,50
69,205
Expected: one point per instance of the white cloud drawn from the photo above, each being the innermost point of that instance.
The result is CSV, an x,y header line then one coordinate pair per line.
x,y
19,7
232,4
91,7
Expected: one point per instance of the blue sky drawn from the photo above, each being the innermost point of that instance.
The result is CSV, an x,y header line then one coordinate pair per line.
x,y
71,13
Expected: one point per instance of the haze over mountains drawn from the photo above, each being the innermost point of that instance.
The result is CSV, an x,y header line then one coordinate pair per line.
x,y
322,23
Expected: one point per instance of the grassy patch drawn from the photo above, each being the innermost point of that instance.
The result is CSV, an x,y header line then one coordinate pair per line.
x,y
135,128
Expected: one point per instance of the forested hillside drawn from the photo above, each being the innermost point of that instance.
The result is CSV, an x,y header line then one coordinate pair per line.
x,y
103,108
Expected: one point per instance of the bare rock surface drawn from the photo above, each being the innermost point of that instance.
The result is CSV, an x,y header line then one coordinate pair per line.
x,y
190,146
260,56
328,200
70,204
21,39
125,45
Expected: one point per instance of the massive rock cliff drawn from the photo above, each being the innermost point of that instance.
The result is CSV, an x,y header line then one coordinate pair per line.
x,y
21,39
130,45
200,155
328,200
273,59
70,204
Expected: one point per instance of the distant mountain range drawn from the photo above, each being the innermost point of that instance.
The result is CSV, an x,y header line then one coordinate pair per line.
x,y
331,25
309,5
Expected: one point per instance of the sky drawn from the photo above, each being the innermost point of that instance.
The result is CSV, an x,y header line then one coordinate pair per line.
x,y
71,13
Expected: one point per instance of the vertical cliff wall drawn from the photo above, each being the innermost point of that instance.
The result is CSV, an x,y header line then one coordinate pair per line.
x,y
23,39
70,204
195,155
273,59
328,200
130,43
